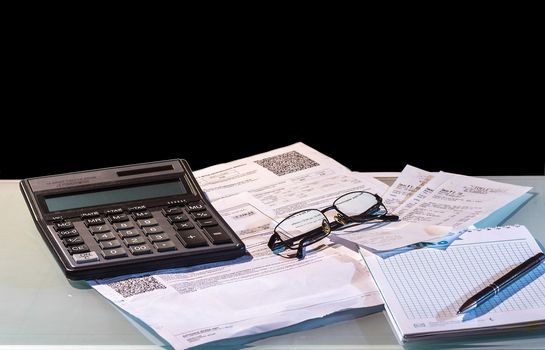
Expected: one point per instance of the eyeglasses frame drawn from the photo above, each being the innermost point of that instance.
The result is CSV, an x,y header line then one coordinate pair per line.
x,y
277,244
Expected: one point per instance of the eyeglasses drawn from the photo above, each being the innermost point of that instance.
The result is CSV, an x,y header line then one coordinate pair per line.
x,y
306,227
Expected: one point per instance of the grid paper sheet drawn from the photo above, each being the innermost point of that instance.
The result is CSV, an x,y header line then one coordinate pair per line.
x,y
424,288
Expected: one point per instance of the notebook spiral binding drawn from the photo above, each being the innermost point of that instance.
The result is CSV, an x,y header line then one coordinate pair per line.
x,y
490,228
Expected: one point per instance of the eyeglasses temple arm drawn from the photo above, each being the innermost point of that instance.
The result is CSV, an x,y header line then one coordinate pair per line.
x,y
273,245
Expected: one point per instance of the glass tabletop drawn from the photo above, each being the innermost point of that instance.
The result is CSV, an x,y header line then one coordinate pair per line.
x,y
39,306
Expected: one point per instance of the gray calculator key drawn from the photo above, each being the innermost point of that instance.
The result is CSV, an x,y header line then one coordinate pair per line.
x,y
114,253
142,215
63,225
75,249
83,258
147,222
114,243
207,222
197,206
119,218
201,215
183,225
68,233
152,230
177,218
94,221
217,236
129,233
106,236
134,240
164,246
73,241
172,211
158,237
191,238
140,249
123,226
99,229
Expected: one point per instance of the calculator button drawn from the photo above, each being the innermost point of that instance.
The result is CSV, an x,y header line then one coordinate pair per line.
x,y
197,206
99,229
177,218
201,215
106,236
114,211
152,230
191,239
207,222
164,246
68,233
114,253
110,244
123,226
63,225
119,218
134,240
57,218
78,249
172,211
140,249
147,222
142,215
129,233
90,215
94,221
183,225
137,208
158,237
217,236
83,258
73,241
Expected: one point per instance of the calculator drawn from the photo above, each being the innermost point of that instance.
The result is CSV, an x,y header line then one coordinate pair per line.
x,y
128,219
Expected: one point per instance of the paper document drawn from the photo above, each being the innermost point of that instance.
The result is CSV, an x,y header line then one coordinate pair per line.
x,y
260,291
267,172
433,205
253,294
463,200
407,183
423,288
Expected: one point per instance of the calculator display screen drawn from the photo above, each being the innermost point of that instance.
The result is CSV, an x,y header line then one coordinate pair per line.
x,y
118,195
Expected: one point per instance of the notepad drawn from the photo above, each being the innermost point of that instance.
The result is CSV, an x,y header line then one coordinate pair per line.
x,y
423,288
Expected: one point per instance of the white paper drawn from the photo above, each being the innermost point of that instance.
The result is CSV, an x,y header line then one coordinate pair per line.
x,y
431,206
423,192
461,201
253,294
408,183
268,172
423,288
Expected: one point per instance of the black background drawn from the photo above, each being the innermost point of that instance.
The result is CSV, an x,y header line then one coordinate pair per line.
x,y
460,110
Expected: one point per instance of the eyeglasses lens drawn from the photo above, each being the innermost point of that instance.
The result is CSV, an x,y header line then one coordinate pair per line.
x,y
308,223
357,203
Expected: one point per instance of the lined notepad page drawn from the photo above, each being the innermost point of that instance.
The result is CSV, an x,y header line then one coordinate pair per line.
x,y
424,288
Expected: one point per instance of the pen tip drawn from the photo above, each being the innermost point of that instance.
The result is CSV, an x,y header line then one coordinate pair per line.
x,y
459,312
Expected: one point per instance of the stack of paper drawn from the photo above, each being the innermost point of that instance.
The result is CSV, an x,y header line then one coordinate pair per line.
x,y
423,288
432,206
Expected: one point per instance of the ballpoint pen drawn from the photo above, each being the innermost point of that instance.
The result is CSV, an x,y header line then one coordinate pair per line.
x,y
501,283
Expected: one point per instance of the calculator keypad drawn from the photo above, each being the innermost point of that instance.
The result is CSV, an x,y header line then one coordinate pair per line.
x,y
138,231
